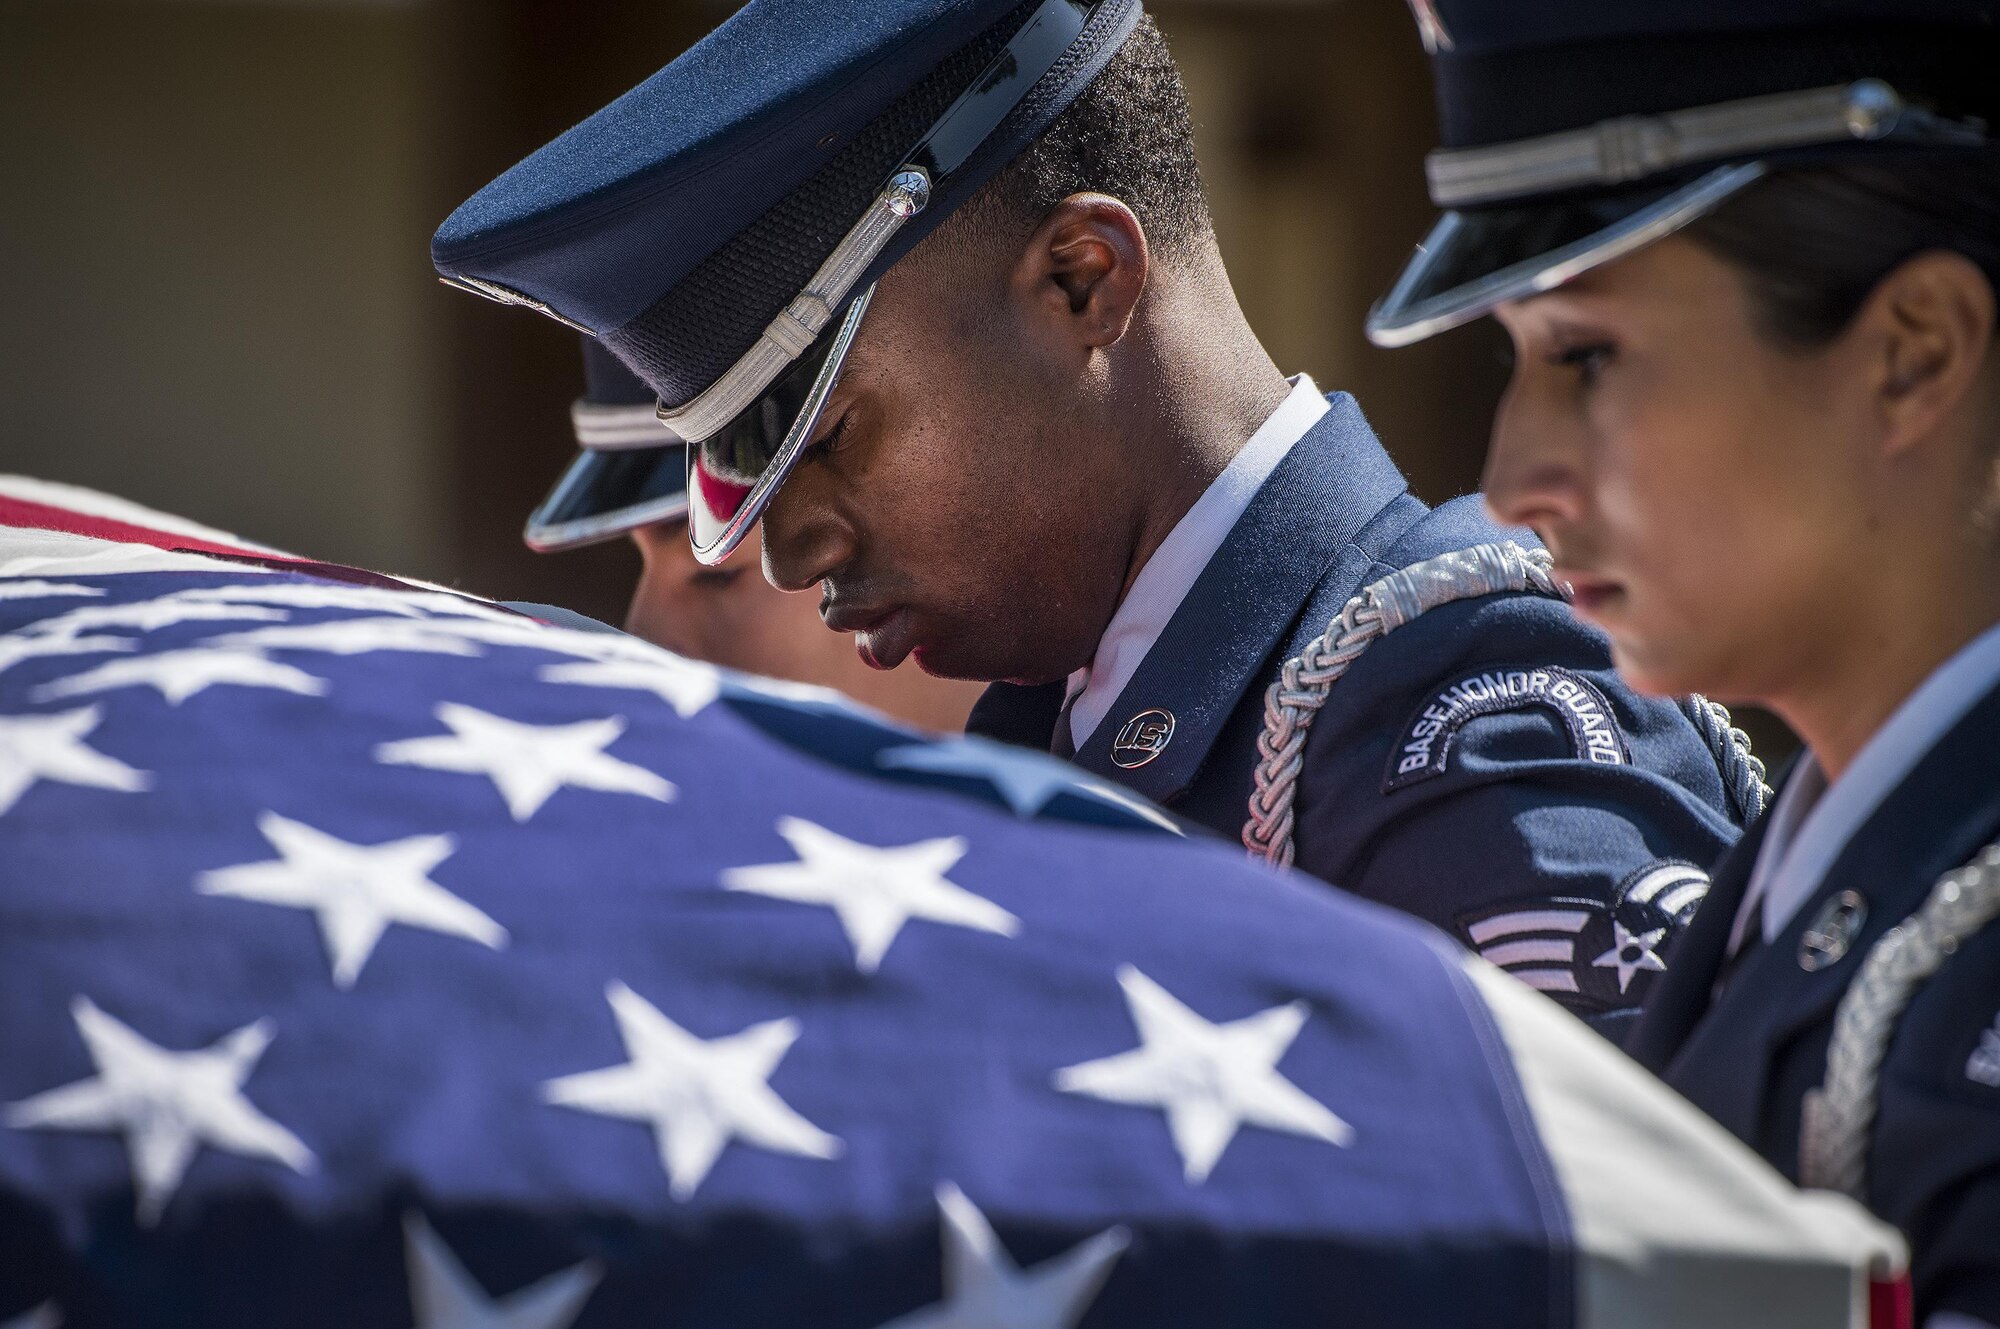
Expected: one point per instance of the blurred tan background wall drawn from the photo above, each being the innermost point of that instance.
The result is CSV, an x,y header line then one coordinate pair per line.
x,y
209,225
214,218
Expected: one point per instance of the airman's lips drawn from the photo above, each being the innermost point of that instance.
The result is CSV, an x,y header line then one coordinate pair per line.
x,y
854,618
1588,592
884,637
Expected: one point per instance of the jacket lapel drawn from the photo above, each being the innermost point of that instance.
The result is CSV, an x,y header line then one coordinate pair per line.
x,y
1942,813
1333,482
1680,996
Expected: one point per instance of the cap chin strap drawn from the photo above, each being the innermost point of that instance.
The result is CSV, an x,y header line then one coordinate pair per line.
x,y
798,324
619,427
784,339
1637,147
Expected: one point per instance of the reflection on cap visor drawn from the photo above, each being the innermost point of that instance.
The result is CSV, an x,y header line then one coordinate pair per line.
x,y
1474,261
732,474
605,494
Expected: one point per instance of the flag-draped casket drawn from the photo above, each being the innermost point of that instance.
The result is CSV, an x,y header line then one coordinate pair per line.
x,y
373,956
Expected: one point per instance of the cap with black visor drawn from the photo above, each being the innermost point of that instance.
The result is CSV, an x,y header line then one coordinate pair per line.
x,y
858,130
1577,132
617,425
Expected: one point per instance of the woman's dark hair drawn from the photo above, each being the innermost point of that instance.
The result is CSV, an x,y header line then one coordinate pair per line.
x,y
1813,241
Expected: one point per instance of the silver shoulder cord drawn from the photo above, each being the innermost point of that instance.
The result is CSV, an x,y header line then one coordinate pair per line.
x,y
1837,1118
1742,770
1302,685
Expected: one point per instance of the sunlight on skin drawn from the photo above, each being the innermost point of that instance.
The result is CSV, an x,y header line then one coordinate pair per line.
x,y
732,616
1746,519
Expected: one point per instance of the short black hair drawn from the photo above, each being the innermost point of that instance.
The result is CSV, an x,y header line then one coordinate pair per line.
x,y
1129,134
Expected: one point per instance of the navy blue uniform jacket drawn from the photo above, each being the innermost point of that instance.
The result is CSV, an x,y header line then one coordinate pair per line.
x,y
1748,1057
1442,776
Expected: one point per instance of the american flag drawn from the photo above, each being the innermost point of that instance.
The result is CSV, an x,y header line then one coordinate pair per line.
x,y
373,956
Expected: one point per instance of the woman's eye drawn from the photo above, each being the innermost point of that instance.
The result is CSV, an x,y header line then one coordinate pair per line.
x,y
1588,359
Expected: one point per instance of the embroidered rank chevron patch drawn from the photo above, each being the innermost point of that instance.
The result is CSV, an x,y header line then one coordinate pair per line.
x,y
1424,748
1577,948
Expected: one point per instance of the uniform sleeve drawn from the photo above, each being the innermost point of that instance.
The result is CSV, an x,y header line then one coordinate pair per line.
x,y
1484,768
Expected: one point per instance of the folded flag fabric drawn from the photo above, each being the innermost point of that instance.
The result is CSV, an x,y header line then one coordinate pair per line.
x,y
373,956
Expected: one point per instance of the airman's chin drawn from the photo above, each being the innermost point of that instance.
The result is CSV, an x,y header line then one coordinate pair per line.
x,y
938,662
954,659
1652,671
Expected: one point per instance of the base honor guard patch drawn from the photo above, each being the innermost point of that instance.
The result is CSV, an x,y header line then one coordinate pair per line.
x,y
1424,748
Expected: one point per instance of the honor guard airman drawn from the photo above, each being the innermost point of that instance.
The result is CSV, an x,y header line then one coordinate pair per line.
x,y
931,290
1748,254
725,614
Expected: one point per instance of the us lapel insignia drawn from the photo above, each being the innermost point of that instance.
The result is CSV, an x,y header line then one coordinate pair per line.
x,y
1833,930
1143,737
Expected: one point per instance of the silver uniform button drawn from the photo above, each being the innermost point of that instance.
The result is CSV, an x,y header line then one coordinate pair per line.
x,y
1833,931
1144,737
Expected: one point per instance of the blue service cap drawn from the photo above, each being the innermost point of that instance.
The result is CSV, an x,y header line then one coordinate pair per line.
x,y
713,225
608,383
1576,131
631,470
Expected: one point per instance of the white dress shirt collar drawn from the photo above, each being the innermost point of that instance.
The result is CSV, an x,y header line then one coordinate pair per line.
x,y
1813,821
1171,572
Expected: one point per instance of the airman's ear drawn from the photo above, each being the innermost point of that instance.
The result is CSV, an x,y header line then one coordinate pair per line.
x,y
1086,266
1932,323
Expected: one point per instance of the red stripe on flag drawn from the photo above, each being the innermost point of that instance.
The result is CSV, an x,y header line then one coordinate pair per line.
x,y
29,515
46,517
1890,1305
